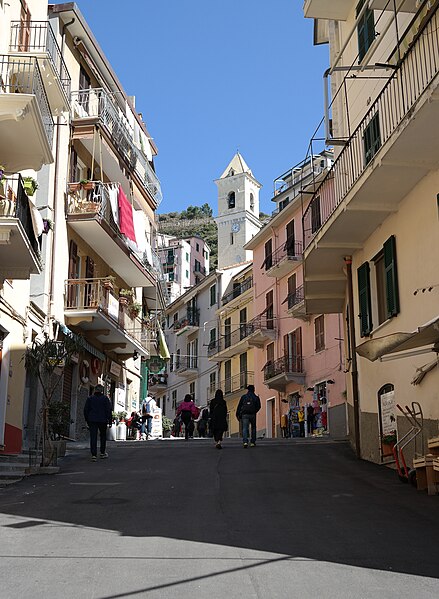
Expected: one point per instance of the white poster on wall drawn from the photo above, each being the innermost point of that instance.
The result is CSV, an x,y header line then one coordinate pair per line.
x,y
388,416
121,395
157,425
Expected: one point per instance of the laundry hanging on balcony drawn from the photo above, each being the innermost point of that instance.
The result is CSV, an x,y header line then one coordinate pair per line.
x,y
113,193
126,221
37,220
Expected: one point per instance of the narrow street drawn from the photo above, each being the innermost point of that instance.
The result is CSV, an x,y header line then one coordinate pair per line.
x,y
293,518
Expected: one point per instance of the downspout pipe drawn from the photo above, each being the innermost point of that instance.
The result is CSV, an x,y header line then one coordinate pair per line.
x,y
354,368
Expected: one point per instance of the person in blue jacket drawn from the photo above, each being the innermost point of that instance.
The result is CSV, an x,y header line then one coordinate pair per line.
x,y
97,414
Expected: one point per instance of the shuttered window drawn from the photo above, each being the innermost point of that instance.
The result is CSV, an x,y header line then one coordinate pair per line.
x,y
364,299
372,138
365,30
319,333
391,277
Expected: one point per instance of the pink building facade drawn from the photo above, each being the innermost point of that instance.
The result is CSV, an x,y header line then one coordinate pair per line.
x,y
301,362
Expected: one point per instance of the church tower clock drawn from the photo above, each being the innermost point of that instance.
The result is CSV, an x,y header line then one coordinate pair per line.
x,y
238,212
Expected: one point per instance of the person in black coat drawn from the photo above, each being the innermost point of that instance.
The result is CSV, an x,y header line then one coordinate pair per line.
x,y
218,417
97,414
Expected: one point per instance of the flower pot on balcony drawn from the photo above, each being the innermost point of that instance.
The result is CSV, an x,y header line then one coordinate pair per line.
x,y
73,187
87,185
123,301
109,283
30,185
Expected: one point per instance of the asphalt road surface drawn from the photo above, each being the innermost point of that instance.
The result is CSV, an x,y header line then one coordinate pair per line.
x,y
159,519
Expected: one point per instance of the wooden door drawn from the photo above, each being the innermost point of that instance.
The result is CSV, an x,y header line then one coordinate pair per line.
x,y
291,241
90,299
73,290
25,24
296,347
273,419
243,370
269,309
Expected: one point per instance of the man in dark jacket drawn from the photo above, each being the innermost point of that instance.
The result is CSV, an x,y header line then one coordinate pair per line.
x,y
97,414
249,405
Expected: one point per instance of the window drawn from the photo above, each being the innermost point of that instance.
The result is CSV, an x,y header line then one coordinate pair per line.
x,y
213,295
212,338
291,241
316,218
197,247
252,202
192,390
174,400
177,360
171,277
372,138
175,317
364,300
319,333
268,252
231,200
365,30
232,238
227,332
171,363
212,382
386,276
269,312
243,323
187,257
283,204
228,376
25,23
187,274
269,365
197,267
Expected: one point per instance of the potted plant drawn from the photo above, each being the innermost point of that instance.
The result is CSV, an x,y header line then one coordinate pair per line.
x,y
74,186
87,184
108,282
125,296
135,309
387,442
30,185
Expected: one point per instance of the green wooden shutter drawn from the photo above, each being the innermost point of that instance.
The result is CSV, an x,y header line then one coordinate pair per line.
x,y
391,276
364,299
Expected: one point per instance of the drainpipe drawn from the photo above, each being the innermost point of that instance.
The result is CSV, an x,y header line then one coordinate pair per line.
x,y
55,191
354,370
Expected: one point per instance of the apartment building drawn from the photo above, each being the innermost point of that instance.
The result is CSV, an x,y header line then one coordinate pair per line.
x,y
94,272
299,360
371,229
184,260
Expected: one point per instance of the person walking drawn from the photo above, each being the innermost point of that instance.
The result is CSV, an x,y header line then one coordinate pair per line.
x,y
97,414
249,405
187,410
301,420
218,417
310,419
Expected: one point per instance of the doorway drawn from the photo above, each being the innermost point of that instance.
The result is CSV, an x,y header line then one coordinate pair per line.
x,y
271,419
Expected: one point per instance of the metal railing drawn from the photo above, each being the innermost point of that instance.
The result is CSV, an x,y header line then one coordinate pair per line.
x,y
239,290
261,322
283,365
410,79
157,379
96,295
21,75
97,103
37,37
291,250
14,203
96,202
296,298
191,319
187,363
198,268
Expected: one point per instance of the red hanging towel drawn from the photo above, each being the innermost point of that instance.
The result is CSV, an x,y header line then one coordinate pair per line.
x,y
126,223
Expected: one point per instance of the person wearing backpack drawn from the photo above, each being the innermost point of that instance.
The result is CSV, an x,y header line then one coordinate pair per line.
x,y
249,405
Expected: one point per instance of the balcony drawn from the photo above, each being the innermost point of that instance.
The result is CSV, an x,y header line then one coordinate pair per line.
x,y
296,304
285,259
37,39
334,10
157,382
232,385
250,334
96,106
90,215
238,290
91,306
198,269
189,323
285,370
367,182
187,367
19,248
26,124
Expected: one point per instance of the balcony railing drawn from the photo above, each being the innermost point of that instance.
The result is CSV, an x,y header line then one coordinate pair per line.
x,y
289,250
99,104
245,330
198,268
96,202
296,298
14,203
95,295
406,85
157,380
239,290
232,384
187,363
284,365
38,37
192,319
22,76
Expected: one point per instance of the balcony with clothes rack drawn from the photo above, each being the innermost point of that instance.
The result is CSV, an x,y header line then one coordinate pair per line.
x,y
283,371
91,305
285,259
238,290
187,367
36,38
254,333
96,106
188,323
26,123
92,212
394,146
19,246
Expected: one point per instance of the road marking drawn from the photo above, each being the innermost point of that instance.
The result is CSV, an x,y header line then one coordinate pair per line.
x,y
96,484
69,473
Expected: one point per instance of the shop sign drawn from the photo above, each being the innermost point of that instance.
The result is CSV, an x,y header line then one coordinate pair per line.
x,y
120,395
155,364
388,417
157,424
115,368
113,307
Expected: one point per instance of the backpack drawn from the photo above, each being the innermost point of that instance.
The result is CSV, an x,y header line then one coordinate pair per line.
x,y
248,404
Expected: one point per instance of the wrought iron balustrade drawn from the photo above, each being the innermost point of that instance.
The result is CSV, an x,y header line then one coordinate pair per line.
x,y
409,80
292,250
261,322
296,298
238,290
284,365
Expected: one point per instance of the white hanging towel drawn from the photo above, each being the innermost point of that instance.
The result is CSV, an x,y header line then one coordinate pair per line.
x,y
146,147
139,229
37,220
113,190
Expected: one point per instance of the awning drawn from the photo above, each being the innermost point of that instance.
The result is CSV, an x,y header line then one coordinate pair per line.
x,y
426,334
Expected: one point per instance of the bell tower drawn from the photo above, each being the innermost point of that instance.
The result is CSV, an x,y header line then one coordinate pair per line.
x,y
238,212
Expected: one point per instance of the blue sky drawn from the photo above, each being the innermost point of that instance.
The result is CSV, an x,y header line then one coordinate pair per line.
x,y
211,77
